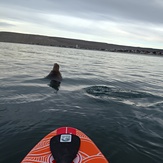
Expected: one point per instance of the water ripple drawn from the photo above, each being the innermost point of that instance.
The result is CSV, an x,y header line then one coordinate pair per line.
x,y
102,91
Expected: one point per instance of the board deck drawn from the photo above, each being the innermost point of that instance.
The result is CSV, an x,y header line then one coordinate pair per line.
x,y
88,151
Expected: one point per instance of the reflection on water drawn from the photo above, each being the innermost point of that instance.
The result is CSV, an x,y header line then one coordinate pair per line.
x,y
55,84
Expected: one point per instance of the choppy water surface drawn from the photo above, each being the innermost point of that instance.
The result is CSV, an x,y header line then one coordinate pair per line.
x,y
115,98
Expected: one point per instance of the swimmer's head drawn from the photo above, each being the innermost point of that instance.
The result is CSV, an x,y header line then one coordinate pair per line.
x,y
56,67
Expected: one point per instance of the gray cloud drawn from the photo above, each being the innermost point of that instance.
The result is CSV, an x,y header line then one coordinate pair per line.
x,y
132,19
150,11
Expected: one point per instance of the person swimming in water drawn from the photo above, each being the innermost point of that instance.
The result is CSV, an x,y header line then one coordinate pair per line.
x,y
55,73
55,77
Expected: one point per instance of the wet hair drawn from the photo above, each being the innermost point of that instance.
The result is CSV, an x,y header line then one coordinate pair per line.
x,y
56,66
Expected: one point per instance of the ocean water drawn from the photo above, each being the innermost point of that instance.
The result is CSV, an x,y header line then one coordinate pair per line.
x,y
114,98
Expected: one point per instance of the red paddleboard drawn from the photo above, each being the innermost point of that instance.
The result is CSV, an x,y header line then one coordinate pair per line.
x,y
61,140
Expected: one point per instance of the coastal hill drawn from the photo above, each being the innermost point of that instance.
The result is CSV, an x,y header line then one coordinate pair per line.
x,y
72,43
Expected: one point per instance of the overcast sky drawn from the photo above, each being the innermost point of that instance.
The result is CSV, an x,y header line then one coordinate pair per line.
x,y
123,22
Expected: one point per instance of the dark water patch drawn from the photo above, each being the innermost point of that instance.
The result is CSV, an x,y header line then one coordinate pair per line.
x,y
104,91
124,96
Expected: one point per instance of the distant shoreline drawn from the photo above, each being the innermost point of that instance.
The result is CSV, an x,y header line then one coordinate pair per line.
x,y
73,43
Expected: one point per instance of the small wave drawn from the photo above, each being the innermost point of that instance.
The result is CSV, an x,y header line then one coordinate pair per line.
x,y
50,110
28,51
